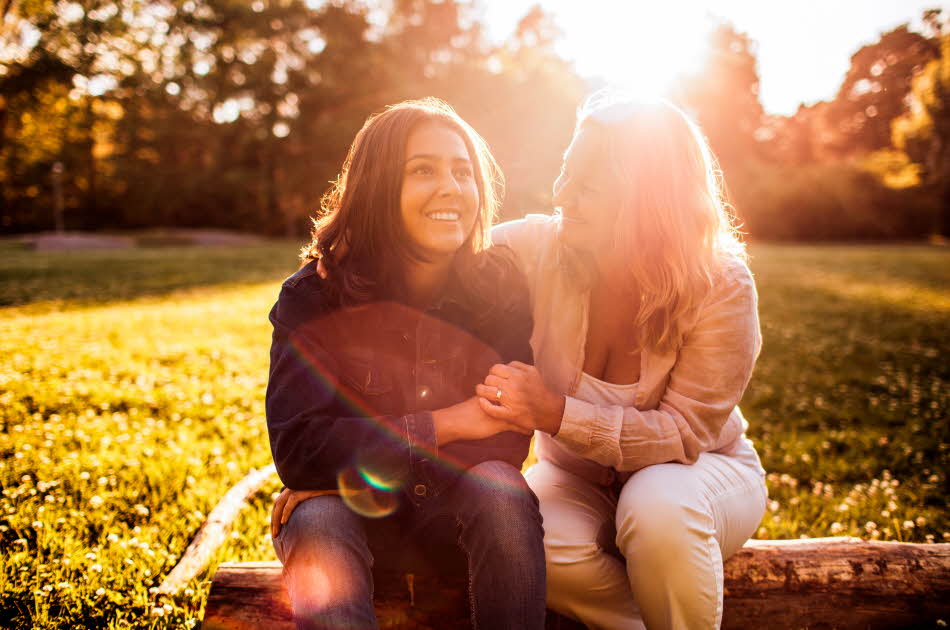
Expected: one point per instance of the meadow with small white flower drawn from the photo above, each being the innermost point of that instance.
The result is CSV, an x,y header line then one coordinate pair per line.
x,y
132,387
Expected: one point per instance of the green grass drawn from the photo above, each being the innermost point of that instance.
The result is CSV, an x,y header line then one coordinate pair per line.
x,y
49,280
131,399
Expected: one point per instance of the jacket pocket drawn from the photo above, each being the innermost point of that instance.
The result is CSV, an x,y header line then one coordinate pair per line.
x,y
366,376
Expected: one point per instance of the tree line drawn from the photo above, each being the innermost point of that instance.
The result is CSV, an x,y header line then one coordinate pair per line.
x,y
122,114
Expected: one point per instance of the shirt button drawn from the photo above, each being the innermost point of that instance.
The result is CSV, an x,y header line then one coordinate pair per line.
x,y
424,393
420,490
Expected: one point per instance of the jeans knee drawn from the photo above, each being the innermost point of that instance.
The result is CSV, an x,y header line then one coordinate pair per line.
x,y
495,499
317,525
500,490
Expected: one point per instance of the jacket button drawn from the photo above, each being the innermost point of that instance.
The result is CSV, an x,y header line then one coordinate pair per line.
x,y
424,393
420,490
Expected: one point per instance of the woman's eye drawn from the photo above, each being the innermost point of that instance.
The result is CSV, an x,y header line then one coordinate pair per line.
x,y
421,170
463,172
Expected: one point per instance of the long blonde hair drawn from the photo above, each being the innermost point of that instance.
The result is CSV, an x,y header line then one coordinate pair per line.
x,y
674,229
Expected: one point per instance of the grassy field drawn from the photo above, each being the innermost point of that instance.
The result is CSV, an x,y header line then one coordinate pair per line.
x,y
132,385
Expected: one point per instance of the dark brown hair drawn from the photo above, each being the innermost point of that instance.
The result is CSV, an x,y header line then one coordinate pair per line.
x,y
359,233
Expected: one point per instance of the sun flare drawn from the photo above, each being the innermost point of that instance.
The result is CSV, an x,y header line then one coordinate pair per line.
x,y
637,46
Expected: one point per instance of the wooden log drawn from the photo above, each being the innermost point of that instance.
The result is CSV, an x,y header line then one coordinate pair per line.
x,y
816,583
837,583
213,530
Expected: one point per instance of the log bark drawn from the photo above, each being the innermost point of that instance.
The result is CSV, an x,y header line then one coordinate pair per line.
x,y
837,583
816,583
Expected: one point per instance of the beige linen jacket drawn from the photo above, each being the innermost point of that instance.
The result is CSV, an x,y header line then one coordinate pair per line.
x,y
686,400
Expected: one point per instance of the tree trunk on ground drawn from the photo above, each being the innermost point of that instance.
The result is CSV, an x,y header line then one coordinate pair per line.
x,y
816,583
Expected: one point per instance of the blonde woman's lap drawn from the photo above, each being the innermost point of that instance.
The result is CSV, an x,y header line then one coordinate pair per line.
x,y
651,557
675,525
586,576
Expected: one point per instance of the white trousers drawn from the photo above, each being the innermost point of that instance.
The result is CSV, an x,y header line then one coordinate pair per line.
x,y
650,555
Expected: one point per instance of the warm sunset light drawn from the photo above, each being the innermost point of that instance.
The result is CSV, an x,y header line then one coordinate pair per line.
x,y
379,313
802,53
643,47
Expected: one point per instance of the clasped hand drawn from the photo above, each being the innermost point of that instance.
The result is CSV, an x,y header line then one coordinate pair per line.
x,y
525,401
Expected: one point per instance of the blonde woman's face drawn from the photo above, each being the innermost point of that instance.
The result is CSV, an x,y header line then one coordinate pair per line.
x,y
587,196
439,198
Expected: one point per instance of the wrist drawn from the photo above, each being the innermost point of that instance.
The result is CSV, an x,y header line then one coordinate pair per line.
x,y
445,426
555,413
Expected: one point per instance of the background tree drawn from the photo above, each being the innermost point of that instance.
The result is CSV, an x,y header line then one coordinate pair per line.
x,y
724,95
923,133
874,90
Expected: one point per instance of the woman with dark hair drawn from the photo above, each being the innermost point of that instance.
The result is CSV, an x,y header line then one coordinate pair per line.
x,y
370,409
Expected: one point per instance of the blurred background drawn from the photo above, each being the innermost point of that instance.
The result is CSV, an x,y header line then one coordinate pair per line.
x,y
830,122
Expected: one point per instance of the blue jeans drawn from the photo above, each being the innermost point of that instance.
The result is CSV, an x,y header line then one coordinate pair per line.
x,y
490,513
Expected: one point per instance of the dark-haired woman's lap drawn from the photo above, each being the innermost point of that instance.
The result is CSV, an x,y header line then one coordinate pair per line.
x,y
489,513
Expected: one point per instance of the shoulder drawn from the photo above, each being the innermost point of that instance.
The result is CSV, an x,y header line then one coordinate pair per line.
x,y
735,271
498,262
303,296
733,287
526,234
493,283
493,273
306,275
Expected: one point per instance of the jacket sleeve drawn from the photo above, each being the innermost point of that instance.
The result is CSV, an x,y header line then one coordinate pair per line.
x,y
710,375
310,444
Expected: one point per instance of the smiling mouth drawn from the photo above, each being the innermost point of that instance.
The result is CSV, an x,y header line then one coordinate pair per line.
x,y
444,215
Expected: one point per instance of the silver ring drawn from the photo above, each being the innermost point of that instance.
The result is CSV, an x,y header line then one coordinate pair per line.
x,y
498,395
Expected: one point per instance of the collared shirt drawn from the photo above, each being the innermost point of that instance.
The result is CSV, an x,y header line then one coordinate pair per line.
x,y
686,399
352,388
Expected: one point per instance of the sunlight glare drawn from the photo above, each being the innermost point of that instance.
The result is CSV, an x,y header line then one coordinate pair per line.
x,y
638,46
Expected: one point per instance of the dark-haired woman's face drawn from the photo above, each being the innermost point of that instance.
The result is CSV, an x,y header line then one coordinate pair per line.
x,y
439,200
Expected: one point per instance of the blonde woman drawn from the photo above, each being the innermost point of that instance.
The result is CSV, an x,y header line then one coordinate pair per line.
x,y
645,336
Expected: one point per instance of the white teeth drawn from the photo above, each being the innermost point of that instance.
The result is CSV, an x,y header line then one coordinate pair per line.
x,y
443,216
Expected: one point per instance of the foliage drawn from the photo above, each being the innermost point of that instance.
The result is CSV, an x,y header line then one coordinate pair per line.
x,y
724,95
872,162
874,90
923,133
824,201
126,415
238,114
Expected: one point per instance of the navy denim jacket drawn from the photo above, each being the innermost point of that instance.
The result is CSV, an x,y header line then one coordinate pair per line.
x,y
353,387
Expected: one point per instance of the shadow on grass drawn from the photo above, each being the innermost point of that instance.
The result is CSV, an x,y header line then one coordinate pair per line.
x,y
101,276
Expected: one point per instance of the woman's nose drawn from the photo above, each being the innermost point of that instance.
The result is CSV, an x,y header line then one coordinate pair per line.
x,y
449,185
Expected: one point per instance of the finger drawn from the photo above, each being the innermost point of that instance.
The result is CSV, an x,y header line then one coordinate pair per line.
x,y
276,512
274,522
488,392
292,504
499,412
502,370
496,381
522,367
